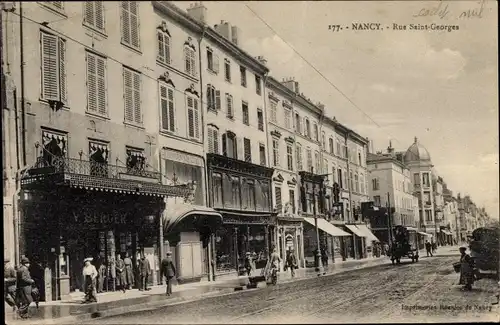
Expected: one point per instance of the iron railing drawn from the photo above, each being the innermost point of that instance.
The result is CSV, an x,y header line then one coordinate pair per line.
x,y
93,168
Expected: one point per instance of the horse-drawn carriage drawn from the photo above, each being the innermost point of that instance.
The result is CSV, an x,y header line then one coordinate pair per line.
x,y
485,250
401,246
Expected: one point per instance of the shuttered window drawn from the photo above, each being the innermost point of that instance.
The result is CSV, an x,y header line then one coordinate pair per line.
x,y
130,23
247,148
262,154
53,51
163,47
193,117
276,152
245,113
229,106
167,106
96,84
213,140
132,96
94,15
309,159
298,153
189,61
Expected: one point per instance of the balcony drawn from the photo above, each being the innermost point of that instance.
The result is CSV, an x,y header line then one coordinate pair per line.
x,y
100,176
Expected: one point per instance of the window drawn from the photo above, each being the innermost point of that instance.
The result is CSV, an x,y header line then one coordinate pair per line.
x,y
339,151
93,15
130,24
258,87
132,95
163,46
362,183
376,200
288,118
427,198
213,139
344,151
356,183
325,167
297,123
213,98
260,119
212,61
229,106
308,128
57,4
416,179
273,112
55,145
339,178
360,161
323,140
298,152
98,157
229,146
135,161
227,70
96,84
289,157
262,154
425,179
330,144
334,174
309,159
244,111
315,130
277,195
193,117
276,152
351,182
317,163
428,215
247,149
53,68
189,61
243,73
217,189
375,185
167,105
291,195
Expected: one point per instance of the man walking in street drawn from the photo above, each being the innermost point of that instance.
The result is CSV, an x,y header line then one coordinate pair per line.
x,y
144,270
9,282
168,271
291,262
428,248
24,283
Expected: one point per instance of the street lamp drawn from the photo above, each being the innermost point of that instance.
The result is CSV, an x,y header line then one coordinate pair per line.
x,y
318,253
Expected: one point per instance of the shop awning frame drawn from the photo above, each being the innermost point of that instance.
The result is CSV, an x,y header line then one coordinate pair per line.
x,y
356,230
176,213
412,229
425,234
327,227
369,235
446,232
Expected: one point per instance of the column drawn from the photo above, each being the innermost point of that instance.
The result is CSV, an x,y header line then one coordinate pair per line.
x,y
162,248
235,245
266,235
302,246
248,239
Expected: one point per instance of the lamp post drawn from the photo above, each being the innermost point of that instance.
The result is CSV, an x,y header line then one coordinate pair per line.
x,y
318,248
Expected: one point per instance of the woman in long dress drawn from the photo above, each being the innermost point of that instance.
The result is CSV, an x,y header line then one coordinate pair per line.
x,y
129,271
466,269
90,277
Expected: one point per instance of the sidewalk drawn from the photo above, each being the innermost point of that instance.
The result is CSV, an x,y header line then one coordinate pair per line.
x,y
115,303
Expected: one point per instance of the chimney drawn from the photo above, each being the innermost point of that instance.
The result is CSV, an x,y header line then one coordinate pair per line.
x,y
320,106
262,60
291,84
198,12
390,149
235,35
224,29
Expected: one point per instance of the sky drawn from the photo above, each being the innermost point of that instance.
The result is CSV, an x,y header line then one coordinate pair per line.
x,y
438,86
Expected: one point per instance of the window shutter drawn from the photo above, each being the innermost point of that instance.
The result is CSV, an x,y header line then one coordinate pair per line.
x,y
62,71
215,59
216,140
229,100
171,109
247,150
125,22
166,40
217,100
128,95
196,119
50,84
224,144
89,12
161,47
211,140
91,83
101,85
99,15
164,107
137,98
134,24
187,61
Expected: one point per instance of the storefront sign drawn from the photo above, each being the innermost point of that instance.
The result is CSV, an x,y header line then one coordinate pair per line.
x,y
182,157
265,220
103,219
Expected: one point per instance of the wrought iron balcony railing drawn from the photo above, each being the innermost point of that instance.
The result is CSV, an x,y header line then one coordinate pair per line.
x,y
96,169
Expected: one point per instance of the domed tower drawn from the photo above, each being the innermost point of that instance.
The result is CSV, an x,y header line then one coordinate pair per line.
x,y
418,160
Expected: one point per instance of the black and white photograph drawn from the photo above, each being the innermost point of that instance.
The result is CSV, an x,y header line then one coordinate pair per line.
x,y
250,162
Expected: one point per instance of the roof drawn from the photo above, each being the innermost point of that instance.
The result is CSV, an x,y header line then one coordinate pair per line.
x,y
416,152
372,158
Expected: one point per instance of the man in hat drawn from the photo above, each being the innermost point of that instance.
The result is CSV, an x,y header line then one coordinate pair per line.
x,y
168,271
89,277
144,270
24,283
9,283
248,263
291,262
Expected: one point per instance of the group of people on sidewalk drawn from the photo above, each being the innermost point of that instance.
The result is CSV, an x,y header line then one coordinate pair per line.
x,y
430,248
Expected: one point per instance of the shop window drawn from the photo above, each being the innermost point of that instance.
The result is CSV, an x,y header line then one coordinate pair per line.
x,y
136,161
217,189
248,195
224,247
98,157
292,199
54,146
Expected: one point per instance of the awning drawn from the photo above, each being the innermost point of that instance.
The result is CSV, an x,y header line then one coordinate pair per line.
x,y
411,229
355,230
425,234
369,235
446,232
201,216
327,227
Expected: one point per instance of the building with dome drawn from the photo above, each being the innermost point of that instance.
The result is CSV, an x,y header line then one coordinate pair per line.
x,y
418,160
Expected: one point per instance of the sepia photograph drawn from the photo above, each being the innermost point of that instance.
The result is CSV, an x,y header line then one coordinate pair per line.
x,y
250,162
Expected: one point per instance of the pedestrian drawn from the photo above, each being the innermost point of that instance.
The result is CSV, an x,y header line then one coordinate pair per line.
x,y
428,248
434,247
291,262
89,280
248,263
168,271
24,283
129,272
101,276
386,249
144,270
9,281
37,274
466,269
121,280
324,257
